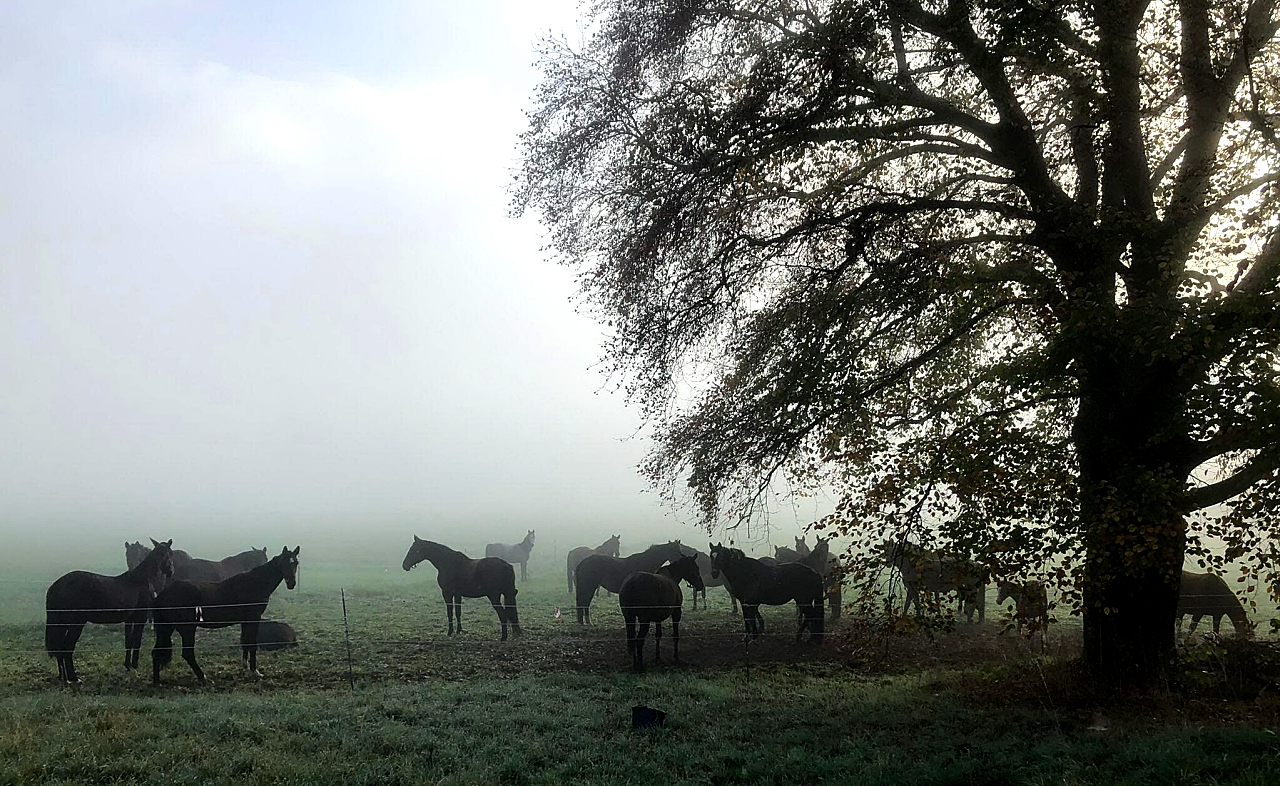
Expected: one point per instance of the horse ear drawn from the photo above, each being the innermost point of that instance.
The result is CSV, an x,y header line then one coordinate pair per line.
x,y
169,543
417,539
296,550
155,542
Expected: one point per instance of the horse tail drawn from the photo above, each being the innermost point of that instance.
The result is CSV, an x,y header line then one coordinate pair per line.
x,y
162,652
568,573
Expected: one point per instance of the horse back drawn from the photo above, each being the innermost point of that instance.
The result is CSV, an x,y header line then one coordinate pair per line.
x,y
479,578
202,570
210,604
97,598
774,585
649,596
1205,593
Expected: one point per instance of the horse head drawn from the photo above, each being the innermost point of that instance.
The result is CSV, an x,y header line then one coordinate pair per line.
x,y
134,554
613,546
686,569
160,560
417,553
528,538
718,552
287,562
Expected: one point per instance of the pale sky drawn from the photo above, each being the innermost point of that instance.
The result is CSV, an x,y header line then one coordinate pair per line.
x,y
259,274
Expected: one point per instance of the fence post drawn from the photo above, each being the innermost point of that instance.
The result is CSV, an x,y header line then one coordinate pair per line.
x,y
346,632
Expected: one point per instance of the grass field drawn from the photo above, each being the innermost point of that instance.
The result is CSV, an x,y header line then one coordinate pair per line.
x,y
970,706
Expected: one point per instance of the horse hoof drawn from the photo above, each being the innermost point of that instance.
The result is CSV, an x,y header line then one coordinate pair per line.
x,y
257,674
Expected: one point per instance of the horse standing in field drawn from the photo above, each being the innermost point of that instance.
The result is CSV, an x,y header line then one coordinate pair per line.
x,y
80,597
704,567
924,571
653,597
755,582
460,577
1030,603
610,548
1204,594
240,600
820,559
598,571
517,554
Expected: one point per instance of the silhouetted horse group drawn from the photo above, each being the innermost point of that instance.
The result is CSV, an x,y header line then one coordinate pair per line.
x,y
152,589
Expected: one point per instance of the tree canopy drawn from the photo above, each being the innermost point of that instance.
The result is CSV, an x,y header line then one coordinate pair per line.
x,y
1007,269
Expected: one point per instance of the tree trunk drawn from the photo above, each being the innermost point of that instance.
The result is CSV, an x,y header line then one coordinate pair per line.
x,y
1133,506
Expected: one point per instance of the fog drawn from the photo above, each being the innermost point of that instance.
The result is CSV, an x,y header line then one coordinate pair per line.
x,y
260,286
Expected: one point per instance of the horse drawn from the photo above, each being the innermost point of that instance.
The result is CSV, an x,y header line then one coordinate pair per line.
x,y
925,571
189,568
1204,594
597,571
609,548
820,559
80,597
272,635
704,567
241,599
755,582
460,577
653,597
1030,601
517,554
135,553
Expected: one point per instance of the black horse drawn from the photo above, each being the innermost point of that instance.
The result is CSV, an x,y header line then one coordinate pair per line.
x,y
186,605
516,555
820,559
81,597
704,567
653,597
460,577
755,582
609,548
189,568
597,571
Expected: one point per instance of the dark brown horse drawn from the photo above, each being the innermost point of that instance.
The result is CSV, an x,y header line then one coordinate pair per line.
x,y
820,559
610,548
80,597
653,597
755,583
517,554
925,571
240,600
189,568
460,577
598,571
704,567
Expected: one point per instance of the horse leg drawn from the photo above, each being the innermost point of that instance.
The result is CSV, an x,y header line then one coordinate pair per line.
x,y
657,641
249,647
496,600
513,614
629,620
524,573
638,664
675,633
457,609
162,652
1195,621
132,637
188,634
448,608
748,621
69,650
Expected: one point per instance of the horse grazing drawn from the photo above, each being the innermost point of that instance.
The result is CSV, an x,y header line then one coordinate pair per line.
x,y
1204,594
924,571
240,600
80,597
517,554
460,577
704,567
653,597
609,548
1030,601
598,571
754,583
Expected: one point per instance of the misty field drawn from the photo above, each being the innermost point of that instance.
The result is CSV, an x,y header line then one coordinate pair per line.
x,y
969,706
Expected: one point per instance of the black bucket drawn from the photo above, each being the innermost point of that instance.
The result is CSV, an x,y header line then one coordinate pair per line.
x,y
646,717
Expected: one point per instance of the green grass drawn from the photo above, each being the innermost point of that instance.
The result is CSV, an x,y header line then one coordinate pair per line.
x,y
554,706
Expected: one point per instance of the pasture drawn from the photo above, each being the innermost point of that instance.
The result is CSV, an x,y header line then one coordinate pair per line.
x,y
553,706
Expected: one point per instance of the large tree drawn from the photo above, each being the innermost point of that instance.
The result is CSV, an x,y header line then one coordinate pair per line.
x,y
1008,267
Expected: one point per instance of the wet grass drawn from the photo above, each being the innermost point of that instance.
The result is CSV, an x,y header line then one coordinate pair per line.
x,y
554,706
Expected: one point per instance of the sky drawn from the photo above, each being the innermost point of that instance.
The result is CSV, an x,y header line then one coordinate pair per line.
x,y
261,280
